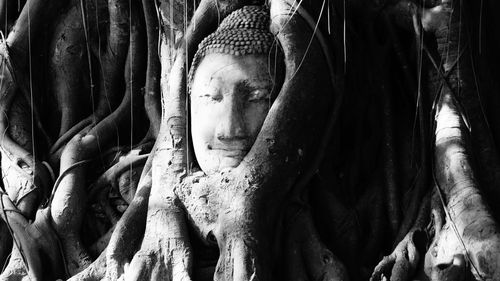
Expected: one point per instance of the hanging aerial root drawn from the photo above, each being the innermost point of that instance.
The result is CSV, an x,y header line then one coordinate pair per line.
x,y
392,192
373,208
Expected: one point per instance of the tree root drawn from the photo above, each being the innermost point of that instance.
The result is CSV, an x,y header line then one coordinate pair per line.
x,y
152,88
306,257
9,12
402,263
5,243
68,59
83,146
69,200
127,237
470,234
109,180
100,245
16,149
112,66
164,257
33,241
16,268
94,272
25,182
449,25
14,53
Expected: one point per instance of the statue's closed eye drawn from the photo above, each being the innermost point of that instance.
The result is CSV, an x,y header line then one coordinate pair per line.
x,y
253,96
213,97
259,95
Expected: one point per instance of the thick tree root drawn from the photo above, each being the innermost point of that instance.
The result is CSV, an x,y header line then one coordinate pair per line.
x,y
127,237
109,180
402,263
306,257
5,243
94,272
470,234
16,268
36,244
112,60
469,240
68,59
14,53
65,212
152,88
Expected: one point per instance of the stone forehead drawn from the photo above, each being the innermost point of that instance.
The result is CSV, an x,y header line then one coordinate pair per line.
x,y
243,32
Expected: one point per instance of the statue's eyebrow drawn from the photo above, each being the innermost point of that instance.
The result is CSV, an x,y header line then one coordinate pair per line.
x,y
256,82
248,85
220,69
213,74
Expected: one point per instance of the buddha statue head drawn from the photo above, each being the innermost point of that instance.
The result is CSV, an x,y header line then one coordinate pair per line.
x,y
232,86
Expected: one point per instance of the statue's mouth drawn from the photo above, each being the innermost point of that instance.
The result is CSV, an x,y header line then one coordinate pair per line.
x,y
231,152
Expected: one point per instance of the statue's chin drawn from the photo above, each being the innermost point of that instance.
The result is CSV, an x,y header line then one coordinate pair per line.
x,y
218,164
230,162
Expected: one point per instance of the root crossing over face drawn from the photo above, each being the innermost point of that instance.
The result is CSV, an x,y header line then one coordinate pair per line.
x,y
230,99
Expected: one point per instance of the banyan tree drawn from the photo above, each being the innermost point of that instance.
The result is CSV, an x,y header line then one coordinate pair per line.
x,y
249,140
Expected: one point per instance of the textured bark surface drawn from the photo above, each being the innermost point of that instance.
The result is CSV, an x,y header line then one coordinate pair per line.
x,y
378,159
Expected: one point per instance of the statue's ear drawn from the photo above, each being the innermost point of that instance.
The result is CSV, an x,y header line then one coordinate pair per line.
x,y
299,124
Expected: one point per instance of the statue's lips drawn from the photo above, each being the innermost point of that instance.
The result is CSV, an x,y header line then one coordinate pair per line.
x,y
234,152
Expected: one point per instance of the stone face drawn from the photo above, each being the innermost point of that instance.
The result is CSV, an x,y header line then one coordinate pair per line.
x,y
230,99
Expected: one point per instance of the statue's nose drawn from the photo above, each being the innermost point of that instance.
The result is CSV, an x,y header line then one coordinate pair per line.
x,y
232,122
